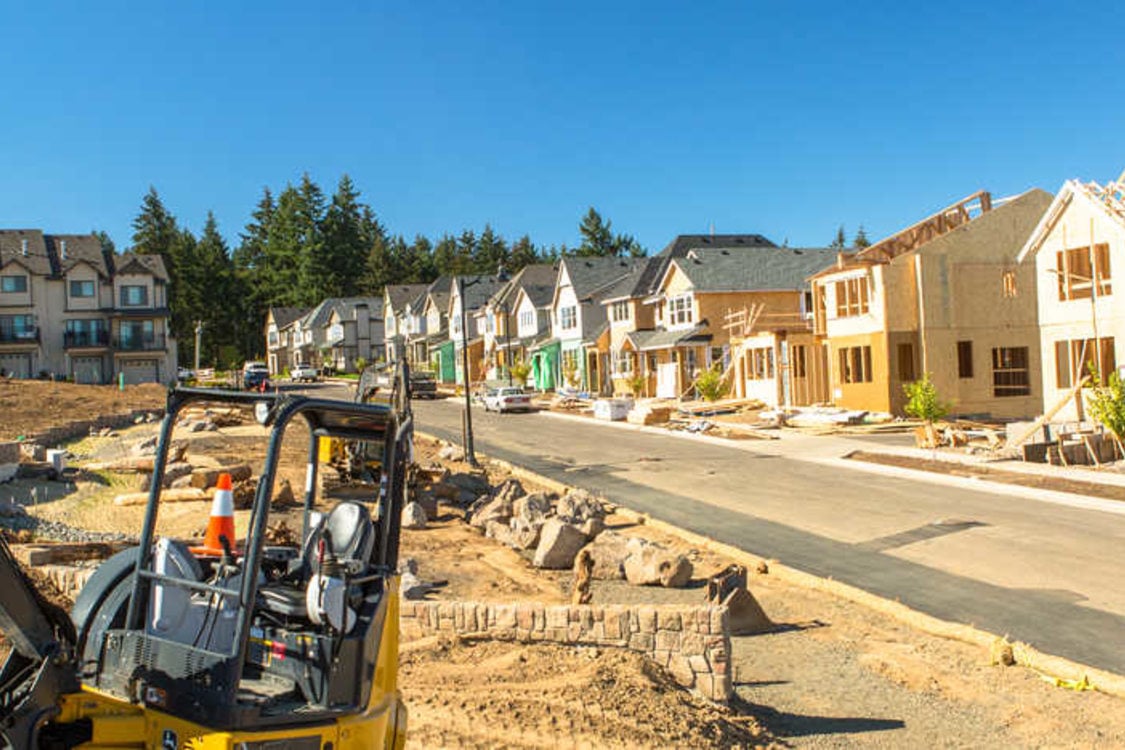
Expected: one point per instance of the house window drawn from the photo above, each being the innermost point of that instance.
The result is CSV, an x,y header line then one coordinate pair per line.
x,y
82,289
680,310
488,324
619,311
85,332
906,363
13,284
1008,284
273,338
622,363
17,328
855,364
1077,269
1074,360
759,363
800,360
137,334
964,359
527,319
569,365
134,296
851,297
568,318
1010,373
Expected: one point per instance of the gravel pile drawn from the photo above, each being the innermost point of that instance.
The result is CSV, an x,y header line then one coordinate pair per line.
x,y
15,519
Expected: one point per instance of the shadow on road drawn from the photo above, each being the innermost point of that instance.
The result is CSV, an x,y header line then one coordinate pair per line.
x,y
786,725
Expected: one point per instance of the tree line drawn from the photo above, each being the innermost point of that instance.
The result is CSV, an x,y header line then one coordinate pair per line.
x,y
301,246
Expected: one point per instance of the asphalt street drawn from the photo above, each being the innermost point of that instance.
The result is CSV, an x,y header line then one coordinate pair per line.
x,y
1046,574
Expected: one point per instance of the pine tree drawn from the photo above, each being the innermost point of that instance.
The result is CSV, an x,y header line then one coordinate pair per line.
x,y
108,248
861,240
282,260
345,243
841,240
491,252
466,251
626,245
597,239
523,254
154,229
445,255
418,265
251,277
209,293
317,261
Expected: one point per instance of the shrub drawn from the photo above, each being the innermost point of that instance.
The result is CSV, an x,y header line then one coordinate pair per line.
x,y
570,374
360,364
711,384
637,385
922,400
520,372
1107,403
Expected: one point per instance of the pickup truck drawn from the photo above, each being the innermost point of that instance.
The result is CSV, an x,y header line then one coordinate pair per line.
x,y
423,385
304,373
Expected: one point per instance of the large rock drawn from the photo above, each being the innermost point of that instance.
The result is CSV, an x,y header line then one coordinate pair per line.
x,y
450,453
654,565
578,506
559,543
413,516
494,509
592,527
476,484
608,552
172,472
523,534
429,502
510,489
499,531
205,478
33,452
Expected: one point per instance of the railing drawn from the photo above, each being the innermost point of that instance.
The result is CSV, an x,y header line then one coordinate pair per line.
x,y
138,343
10,336
73,339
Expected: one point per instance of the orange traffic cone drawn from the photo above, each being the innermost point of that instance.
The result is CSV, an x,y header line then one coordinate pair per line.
x,y
221,522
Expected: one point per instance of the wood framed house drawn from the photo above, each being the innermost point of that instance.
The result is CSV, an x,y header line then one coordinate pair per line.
x,y
1073,252
946,297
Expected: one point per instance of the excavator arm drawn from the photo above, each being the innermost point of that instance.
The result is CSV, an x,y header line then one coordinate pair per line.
x,y
40,667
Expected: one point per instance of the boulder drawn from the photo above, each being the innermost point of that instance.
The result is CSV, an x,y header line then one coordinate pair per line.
x,y
533,507
180,483
172,472
145,447
283,494
413,516
578,506
510,489
429,502
523,534
592,527
33,452
446,491
493,509
450,453
477,484
559,543
499,531
653,565
209,477
608,552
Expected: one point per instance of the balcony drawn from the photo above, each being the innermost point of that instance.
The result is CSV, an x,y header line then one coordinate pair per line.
x,y
139,343
79,339
22,336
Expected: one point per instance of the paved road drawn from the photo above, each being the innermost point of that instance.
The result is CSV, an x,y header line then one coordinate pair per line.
x,y
1046,574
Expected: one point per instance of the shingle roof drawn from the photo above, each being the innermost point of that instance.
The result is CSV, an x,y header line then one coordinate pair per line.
x,y
714,269
38,260
592,275
680,246
538,276
149,263
478,289
319,316
645,341
79,248
400,295
438,292
283,316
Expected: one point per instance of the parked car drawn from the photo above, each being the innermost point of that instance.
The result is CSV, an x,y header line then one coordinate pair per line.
x,y
423,385
304,373
184,373
507,399
255,376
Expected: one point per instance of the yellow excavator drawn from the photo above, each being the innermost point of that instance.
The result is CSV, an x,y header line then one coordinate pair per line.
x,y
257,647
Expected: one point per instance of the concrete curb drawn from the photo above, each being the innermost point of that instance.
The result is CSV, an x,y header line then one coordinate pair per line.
x,y
1050,666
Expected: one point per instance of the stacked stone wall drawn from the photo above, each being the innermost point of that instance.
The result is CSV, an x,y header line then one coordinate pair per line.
x,y
692,643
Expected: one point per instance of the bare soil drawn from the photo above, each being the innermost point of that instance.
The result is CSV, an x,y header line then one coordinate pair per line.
x,y
30,406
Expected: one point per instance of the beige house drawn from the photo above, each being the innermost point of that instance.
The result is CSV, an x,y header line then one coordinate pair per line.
x,y
279,337
1072,254
69,309
945,296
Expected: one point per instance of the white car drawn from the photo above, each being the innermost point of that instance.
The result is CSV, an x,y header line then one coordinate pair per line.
x,y
507,399
304,373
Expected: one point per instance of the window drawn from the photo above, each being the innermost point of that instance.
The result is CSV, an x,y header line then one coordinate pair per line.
x,y
569,363
488,324
568,318
273,338
13,284
1010,374
807,303
680,310
855,364
527,319
851,297
622,363
1073,359
906,363
18,328
964,359
1008,284
721,355
800,360
1077,269
83,332
82,289
134,296
759,363
619,311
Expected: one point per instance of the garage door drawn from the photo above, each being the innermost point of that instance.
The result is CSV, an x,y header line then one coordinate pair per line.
x,y
16,365
87,370
139,371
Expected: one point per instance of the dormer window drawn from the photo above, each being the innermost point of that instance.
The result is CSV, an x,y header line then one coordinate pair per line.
x,y
82,289
13,284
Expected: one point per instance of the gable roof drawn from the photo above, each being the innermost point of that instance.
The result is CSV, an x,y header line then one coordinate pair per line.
x,y
714,269
590,275
37,261
1108,199
141,263
400,295
478,289
537,278
321,315
679,247
72,249
283,316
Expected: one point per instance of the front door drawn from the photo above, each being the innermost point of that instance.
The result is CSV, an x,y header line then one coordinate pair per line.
x,y
666,380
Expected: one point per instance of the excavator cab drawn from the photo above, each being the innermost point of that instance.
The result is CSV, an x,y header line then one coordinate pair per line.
x,y
248,646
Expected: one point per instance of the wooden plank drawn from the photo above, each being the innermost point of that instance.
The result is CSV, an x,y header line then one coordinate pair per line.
x,y
178,495
64,552
1038,424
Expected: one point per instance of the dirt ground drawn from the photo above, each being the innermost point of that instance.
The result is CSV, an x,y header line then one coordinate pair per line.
x,y
833,673
28,406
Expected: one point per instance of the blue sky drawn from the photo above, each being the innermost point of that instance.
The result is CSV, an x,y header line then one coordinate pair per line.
x,y
782,118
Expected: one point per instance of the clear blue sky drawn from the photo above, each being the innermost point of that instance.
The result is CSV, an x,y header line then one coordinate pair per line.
x,y
782,118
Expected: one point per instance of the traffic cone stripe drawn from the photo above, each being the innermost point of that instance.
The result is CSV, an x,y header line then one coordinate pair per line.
x,y
221,522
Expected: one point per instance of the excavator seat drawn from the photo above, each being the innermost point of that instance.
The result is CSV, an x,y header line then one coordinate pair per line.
x,y
349,529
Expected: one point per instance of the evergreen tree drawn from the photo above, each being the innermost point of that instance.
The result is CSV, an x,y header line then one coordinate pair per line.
x,y
445,255
317,261
154,229
107,244
208,293
285,253
523,254
251,277
491,252
861,240
841,241
597,239
418,266
345,239
626,245
466,252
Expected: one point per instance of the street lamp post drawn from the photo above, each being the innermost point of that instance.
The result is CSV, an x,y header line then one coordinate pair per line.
x,y
508,340
470,454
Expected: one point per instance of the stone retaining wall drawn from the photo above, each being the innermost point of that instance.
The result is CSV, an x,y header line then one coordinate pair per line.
x,y
74,430
692,643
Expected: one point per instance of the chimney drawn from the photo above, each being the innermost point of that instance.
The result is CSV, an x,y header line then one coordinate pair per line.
x,y
62,249
23,247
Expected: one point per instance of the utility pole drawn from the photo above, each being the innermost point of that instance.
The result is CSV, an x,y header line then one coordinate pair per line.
x,y
470,454
198,336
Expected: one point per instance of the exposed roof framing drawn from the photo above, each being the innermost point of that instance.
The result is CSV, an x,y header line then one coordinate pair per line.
x,y
916,235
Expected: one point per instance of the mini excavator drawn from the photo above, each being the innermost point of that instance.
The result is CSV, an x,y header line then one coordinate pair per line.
x,y
257,647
